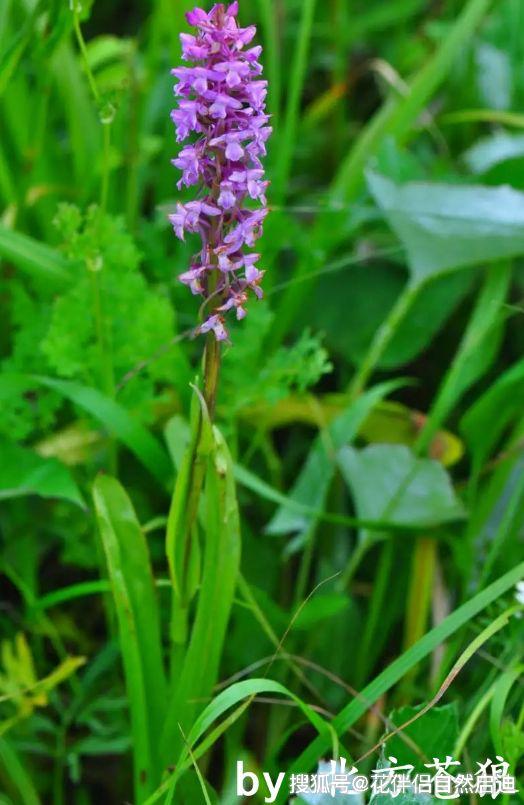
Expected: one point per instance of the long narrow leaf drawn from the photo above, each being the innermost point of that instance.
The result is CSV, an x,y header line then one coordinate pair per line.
x,y
119,423
134,595
219,577
33,258
18,775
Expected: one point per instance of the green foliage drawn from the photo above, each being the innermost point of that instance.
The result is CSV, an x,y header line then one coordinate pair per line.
x,y
296,368
24,473
131,578
445,227
389,483
434,735
332,546
64,335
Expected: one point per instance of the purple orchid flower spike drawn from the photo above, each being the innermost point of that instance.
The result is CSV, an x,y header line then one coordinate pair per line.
x,y
221,107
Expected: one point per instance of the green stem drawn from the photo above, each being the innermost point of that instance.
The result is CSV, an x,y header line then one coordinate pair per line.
x,y
104,189
83,50
471,723
107,377
383,337
211,372
357,556
382,580
58,771
420,588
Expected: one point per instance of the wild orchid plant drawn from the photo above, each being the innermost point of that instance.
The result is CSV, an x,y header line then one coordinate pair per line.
x,y
222,108
222,102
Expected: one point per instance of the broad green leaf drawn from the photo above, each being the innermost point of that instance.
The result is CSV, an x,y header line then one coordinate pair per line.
x,y
23,472
134,595
445,227
389,482
34,258
345,719
312,484
219,578
434,735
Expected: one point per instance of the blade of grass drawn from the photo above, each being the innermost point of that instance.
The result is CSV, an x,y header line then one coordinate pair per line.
x,y
494,116
287,138
398,114
81,590
244,692
18,775
492,629
397,670
470,361
268,14
83,126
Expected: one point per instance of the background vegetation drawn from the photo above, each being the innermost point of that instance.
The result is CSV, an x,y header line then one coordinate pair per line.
x,y
372,404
